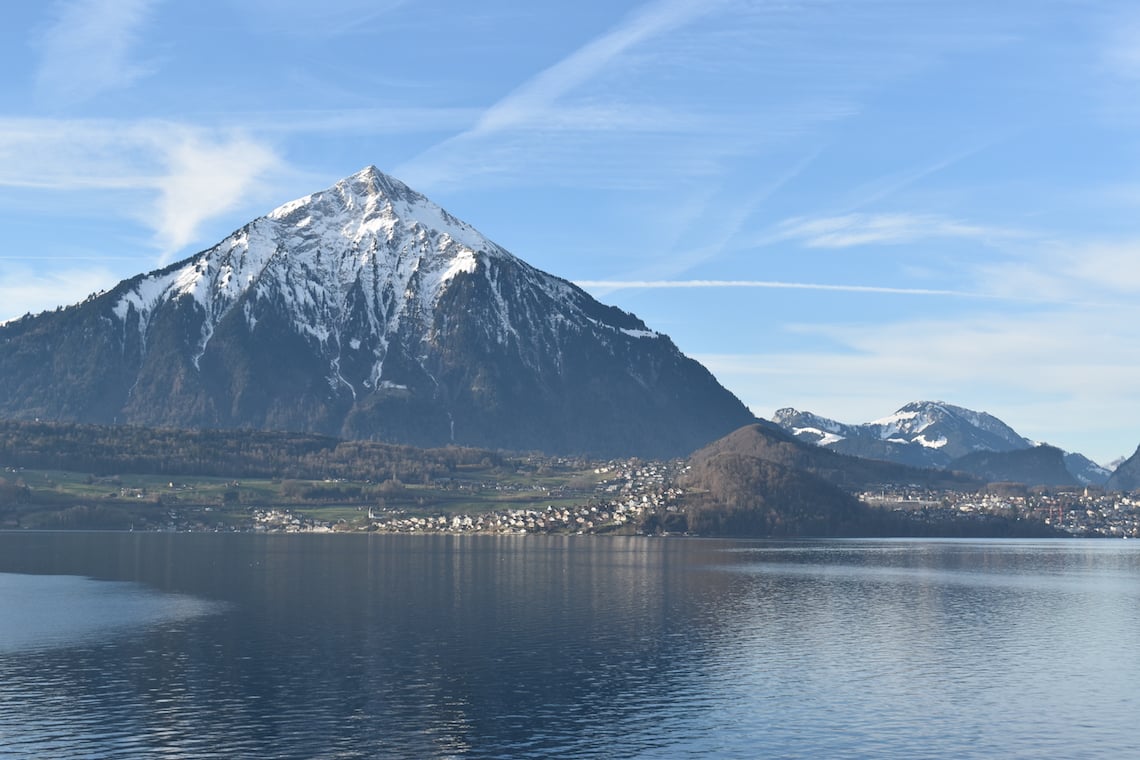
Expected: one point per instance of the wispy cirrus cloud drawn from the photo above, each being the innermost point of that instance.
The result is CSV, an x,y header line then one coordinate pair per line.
x,y
303,18
542,91
89,49
204,178
849,230
1103,272
1119,52
191,174
535,103
25,288
770,285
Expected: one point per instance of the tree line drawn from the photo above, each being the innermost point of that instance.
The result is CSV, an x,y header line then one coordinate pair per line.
x,y
107,450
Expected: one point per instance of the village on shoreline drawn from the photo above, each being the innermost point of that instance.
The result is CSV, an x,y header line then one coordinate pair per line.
x,y
620,496
1083,512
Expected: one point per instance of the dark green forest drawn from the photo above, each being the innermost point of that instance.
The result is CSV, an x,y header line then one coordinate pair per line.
x,y
104,450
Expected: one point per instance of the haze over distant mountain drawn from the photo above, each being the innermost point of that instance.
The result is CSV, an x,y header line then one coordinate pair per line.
x,y
366,311
1040,465
931,434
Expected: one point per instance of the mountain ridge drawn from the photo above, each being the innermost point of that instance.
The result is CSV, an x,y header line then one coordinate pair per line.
x,y
931,434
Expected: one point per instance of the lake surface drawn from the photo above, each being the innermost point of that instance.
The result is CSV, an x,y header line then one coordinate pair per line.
x,y
305,646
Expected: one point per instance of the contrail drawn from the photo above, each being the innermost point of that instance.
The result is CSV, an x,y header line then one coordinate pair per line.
x,y
771,284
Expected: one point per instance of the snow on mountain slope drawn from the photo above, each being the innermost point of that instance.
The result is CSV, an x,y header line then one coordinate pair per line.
x,y
936,424
811,427
351,263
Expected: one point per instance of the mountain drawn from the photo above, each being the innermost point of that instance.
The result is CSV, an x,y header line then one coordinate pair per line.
x,y
366,311
760,481
1040,465
1086,471
766,441
925,434
1126,477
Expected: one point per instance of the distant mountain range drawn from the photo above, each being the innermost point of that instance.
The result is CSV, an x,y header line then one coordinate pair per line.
x,y
937,434
366,311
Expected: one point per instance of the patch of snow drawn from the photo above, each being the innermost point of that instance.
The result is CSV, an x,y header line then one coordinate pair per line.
x,y
144,297
895,418
935,444
826,438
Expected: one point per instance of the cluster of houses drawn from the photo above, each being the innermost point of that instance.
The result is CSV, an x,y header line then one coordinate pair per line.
x,y
1087,511
625,489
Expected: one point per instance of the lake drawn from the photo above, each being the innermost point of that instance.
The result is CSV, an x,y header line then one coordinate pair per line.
x,y
133,645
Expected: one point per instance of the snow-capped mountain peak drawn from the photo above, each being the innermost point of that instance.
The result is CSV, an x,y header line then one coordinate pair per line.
x,y
367,309
319,255
373,203
928,423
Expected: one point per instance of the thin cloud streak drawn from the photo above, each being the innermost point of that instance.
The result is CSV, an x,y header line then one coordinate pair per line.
x,y
776,285
542,91
534,102
850,230
88,50
889,186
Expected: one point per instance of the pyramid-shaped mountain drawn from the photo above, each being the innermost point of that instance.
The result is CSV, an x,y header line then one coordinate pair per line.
x,y
366,311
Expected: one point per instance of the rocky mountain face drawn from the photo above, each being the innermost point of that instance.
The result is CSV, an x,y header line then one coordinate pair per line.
x,y
932,434
366,311
1126,477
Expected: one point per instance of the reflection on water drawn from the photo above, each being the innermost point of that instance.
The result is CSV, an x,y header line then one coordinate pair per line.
x,y
38,612
481,646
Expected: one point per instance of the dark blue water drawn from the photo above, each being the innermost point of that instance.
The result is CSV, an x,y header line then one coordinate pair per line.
x,y
223,646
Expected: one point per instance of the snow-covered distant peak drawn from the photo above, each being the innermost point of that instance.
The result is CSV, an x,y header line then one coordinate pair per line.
x,y
917,416
791,418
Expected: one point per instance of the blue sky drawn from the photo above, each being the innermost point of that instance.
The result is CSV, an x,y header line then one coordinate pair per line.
x,y
836,206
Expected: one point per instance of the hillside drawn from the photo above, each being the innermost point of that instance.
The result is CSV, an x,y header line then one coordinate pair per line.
x,y
766,441
1040,465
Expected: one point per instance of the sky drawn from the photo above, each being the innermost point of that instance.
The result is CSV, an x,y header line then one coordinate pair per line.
x,y
835,206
